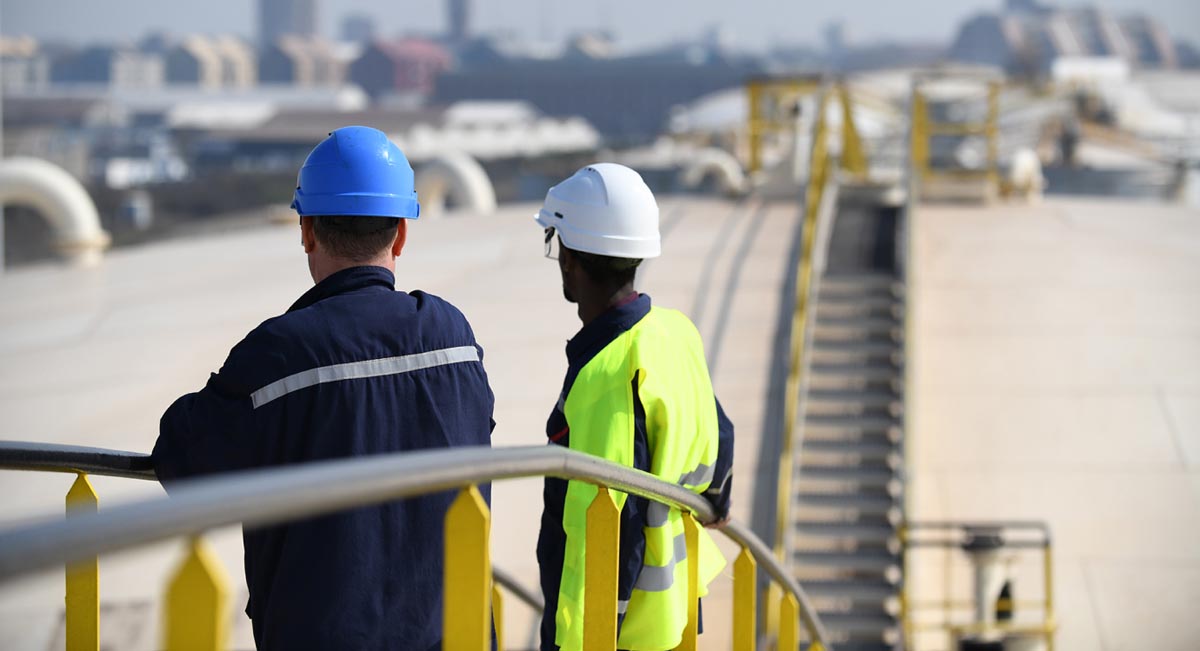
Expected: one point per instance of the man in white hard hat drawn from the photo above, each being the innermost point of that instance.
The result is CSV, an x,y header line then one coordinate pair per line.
x,y
637,392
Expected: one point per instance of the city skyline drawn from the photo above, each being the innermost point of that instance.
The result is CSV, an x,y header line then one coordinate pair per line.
x,y
636,25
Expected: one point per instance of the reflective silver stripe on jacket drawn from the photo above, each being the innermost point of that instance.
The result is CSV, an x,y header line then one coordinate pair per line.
x,y
656,578
701,475
657,512
364,369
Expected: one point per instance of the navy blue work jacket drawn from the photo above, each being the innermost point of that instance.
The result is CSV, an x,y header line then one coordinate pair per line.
x,y
552,540
354,368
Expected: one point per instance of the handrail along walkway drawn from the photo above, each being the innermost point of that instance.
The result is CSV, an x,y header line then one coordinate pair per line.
x,y
273,496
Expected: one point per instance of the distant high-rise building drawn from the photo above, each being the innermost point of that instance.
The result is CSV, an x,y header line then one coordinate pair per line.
x,y
458,19
285,18
358,28
835,43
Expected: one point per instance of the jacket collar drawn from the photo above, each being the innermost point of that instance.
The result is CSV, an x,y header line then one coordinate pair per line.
x,y
593,337
346,281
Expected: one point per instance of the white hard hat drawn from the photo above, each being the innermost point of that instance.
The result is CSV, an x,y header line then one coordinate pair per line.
x,y
605,209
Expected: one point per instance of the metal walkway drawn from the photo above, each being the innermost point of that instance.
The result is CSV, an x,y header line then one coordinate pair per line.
x,y
849,483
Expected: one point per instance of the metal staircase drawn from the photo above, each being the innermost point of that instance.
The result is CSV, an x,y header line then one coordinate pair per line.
x,y
849,481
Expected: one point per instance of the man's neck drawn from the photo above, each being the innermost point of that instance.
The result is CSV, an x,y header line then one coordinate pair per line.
x,y
329,266
591,307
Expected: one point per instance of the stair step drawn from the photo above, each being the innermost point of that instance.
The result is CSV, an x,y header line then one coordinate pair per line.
x,y
875,448
872,504
885,349
859,623
811,459
861,645
850,282
805,484
877,324
879,534
857,589
867,397
881,301
852,422
870,371
875,477
860,561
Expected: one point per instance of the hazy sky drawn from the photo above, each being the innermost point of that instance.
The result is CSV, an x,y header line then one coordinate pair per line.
x,y
637,23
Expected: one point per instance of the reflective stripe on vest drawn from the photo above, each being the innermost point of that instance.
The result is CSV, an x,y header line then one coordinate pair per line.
x,y
664,352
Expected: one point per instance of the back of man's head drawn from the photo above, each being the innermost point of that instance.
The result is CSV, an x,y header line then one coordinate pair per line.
x,y
607,271
355,238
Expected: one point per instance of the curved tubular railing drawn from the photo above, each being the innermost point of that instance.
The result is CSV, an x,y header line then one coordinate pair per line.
x,y
277,495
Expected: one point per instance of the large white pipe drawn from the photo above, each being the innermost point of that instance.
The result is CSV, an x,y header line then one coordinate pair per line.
x,y
718,165
61,201
458,177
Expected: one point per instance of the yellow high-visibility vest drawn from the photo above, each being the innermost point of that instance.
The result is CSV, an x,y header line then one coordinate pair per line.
x,y
663,351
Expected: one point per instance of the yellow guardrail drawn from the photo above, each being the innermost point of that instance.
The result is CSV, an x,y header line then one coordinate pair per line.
x,y
773,108
924,128
194,610
949,537
769,101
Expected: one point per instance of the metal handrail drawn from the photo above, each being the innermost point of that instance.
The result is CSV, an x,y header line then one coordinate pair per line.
x,y
52,457
276,495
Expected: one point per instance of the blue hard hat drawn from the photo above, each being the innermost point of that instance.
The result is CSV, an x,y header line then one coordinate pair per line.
x,y
356,171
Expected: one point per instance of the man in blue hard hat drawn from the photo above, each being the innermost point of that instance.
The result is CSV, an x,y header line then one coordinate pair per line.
x,y
353,368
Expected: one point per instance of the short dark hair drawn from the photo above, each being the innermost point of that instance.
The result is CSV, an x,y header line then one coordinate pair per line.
x,y
354,238
607,270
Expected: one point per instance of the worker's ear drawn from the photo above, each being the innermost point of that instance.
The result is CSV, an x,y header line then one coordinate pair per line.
x,y
401,237
308,238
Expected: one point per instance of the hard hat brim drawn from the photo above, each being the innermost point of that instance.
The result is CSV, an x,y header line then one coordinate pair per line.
x,y
357,204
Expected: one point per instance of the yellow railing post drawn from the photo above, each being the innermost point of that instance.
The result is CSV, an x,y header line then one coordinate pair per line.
x,y
745,593
691,534
83,578
468,573
919,147
196,617
498,616
754,125
991,131
600,573
854,157
789,623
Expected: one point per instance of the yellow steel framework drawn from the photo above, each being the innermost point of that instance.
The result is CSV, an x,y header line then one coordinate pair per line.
x,y
773,103
950,612
924,129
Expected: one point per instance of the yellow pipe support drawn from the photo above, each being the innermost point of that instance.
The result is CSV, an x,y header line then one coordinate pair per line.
x,y
789,623
691,534
745,593
195,608
498,616
854,157
83,578
468,573
600,573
